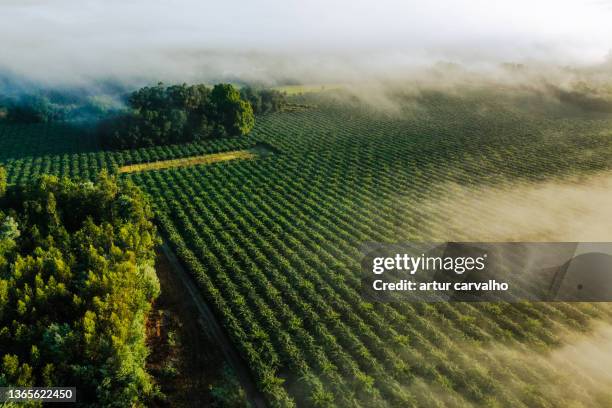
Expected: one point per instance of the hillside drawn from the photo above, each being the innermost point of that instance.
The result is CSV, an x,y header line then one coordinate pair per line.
x,y
273,242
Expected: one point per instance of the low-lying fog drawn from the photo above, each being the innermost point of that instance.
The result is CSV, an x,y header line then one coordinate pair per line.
x,y
554,44
566,210
69,42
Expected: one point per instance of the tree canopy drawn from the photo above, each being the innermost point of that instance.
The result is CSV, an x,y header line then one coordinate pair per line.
x,y
31,109
54,106
232,114
264,100
76,282
160,115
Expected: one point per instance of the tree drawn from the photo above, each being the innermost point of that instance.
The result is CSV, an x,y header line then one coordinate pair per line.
x,y
264,100
250,94
162,115
74,295
9,229
231,112
32,109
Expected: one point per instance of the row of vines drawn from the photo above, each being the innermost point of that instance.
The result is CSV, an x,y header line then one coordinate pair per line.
x,y
274,246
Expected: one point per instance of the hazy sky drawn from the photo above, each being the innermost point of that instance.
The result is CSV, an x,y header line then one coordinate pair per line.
x,y
69,40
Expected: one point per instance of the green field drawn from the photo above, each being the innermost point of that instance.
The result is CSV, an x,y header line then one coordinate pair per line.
x,y
274,243
306,89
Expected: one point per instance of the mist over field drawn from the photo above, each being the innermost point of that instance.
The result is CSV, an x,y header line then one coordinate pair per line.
x,y
69,42
572,375
566,210
444,120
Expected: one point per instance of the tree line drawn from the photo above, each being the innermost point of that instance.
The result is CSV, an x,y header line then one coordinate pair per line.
x,y
76,282
161,115
152,115
264,100
30,108
47,106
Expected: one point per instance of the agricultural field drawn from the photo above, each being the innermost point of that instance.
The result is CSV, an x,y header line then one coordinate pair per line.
x,y
273,242
75,152
307,89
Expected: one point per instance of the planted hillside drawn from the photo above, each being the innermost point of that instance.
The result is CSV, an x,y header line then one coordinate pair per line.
x,y
274,243
76,282
161,115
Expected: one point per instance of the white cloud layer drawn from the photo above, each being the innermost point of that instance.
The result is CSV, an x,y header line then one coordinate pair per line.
x,y
72,40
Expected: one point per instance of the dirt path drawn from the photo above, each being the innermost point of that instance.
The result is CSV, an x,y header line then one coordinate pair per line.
x,y
183,360
208,323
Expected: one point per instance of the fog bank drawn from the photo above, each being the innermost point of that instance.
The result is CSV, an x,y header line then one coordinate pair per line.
x,y
77,42
570,210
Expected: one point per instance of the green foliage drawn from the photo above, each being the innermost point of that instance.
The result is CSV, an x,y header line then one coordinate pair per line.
x,y
274,242
163,115
264,100
76,282
274,245
32,109
9,230
70,153
586,96
227,392
232,113
48,106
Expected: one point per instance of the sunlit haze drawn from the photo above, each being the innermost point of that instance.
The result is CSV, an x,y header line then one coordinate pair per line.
x,y
68,40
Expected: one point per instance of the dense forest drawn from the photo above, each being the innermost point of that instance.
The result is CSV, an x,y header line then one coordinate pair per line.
x,y
161,115
150,116
57,106
263,100
76,282
30,109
